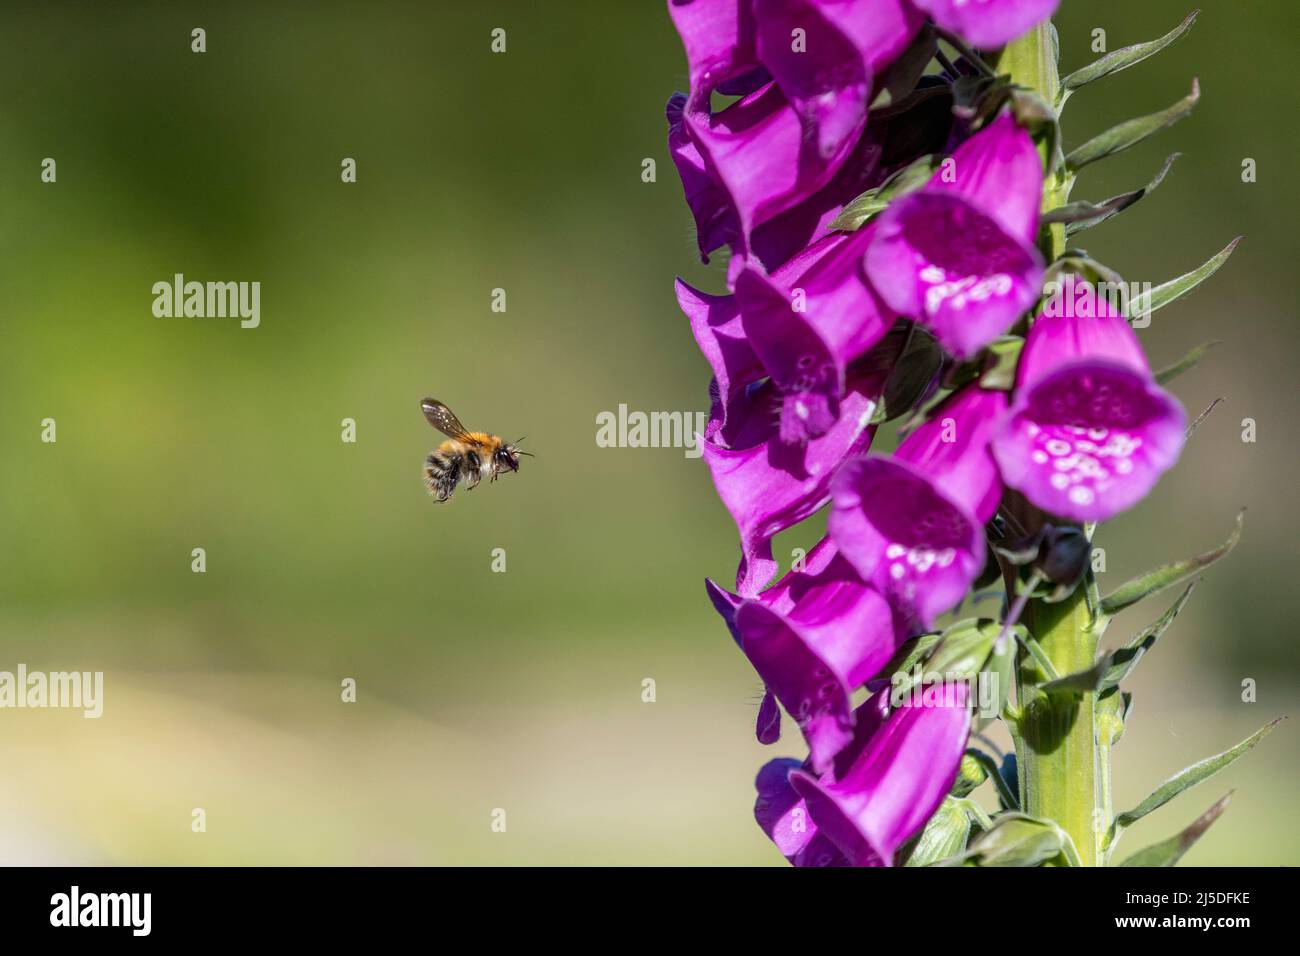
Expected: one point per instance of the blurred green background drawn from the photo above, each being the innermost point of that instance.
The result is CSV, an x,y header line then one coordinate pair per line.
x,y
517,690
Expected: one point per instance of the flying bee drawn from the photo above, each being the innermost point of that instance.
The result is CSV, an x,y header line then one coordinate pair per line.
x,y
465,455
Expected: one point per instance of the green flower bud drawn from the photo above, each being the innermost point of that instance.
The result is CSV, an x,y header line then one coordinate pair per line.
x,y
1017,840
970,775
964,648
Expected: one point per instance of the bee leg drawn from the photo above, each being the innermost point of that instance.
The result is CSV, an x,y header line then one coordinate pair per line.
x,y
473,470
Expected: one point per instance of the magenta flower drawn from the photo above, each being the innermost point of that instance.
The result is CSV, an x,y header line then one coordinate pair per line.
x,y
757,152
958,255
718,36
841,279
715,323
814,638
824,56
885,786
813,657
769,485
988,23
804,70
807,323
780,597
912,524
888,144
1089,432
783,816
715,219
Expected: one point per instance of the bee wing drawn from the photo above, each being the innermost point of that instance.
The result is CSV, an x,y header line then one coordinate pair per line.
x,y
442,418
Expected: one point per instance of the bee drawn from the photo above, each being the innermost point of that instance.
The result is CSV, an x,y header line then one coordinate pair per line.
x,y
465,455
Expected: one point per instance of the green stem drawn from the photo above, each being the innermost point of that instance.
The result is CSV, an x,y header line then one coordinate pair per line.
x,y
1103,779
1056,744
1056,740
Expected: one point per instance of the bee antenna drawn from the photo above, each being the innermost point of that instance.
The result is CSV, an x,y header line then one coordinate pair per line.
x,y
528,453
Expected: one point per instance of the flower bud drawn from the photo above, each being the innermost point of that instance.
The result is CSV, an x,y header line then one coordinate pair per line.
x,y
1061,555
1018,840
964,649
970,775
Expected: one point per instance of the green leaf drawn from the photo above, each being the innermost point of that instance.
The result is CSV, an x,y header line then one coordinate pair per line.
x,y
1017,840
1175,289
1079,216
1082,682
1169,852
1123,59
1167,575
1185,779
874,201
1184,364
1126,658
1191,429
1130,133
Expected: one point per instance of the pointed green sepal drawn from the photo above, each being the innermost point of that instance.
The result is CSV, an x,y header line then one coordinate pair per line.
x,y
1082,215
1130,133
1169,852
1080,682
1167,575
1185,364
1122,59
1185,779
1122,661
1112,668
1175,289
874,201
1196,423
